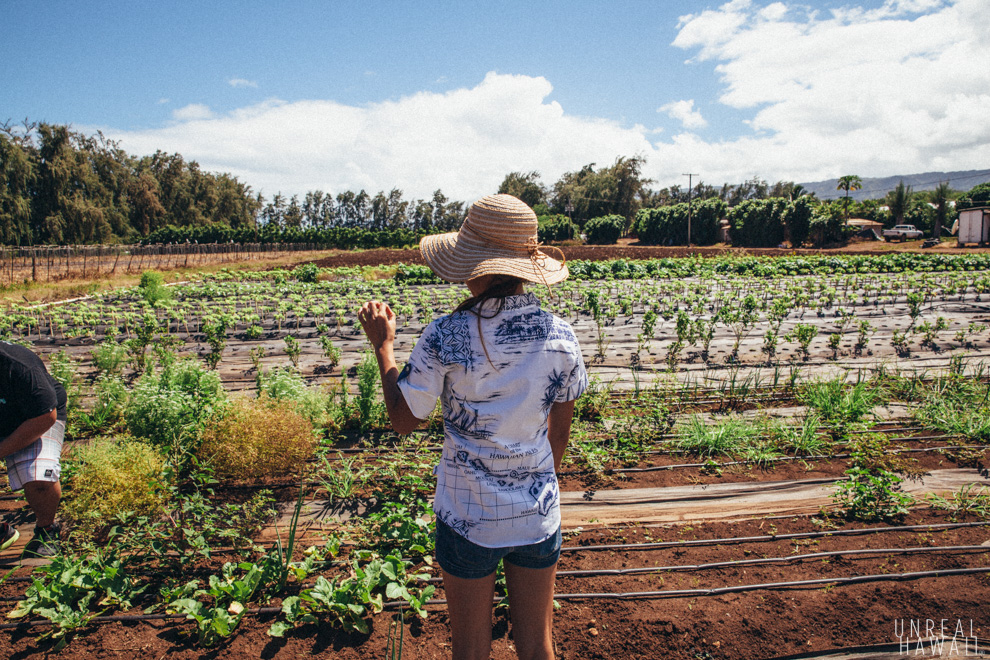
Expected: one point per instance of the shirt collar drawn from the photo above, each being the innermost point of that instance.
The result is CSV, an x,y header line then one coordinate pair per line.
x,y
514,302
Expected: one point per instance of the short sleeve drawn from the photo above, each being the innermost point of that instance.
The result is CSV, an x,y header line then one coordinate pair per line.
x,y
421,380
577,380
35,394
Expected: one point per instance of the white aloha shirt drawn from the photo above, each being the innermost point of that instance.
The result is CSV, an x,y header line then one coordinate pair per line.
x,y
495,481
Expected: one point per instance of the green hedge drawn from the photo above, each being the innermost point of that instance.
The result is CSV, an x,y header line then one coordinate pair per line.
x,y
331,237
556,228
667,225
605,230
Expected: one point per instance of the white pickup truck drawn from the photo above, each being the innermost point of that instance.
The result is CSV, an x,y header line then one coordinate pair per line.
x,y
902,232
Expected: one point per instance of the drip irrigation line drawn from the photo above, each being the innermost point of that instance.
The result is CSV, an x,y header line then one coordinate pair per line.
x,y
770,537
761,561
871,651
717,591
773,560
887,451
658,468
633,595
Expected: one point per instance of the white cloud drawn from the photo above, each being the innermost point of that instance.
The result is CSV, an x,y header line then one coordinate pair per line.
x,y
684,112
893,90
463,141
192,112
873,92
241,82
162,101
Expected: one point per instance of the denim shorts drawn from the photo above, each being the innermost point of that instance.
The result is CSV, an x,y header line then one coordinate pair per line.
x,y
464,559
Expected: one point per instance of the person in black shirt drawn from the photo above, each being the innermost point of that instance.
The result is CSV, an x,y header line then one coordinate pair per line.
x,y
32,426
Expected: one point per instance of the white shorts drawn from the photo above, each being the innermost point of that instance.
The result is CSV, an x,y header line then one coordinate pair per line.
x,y
40,461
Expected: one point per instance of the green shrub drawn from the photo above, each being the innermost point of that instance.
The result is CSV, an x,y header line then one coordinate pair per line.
x,y
978,195
111,395
109,356
63,369
758,222
306,273
371,410
285,384
152,288
797,219
111,476
605,230
827,224
556,228
171,408
258,438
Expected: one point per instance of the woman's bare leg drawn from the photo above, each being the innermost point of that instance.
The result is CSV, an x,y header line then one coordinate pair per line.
x,y
469,607
531,609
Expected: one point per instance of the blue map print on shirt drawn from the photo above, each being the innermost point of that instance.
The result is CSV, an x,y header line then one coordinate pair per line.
x,y
462,419
450,342
462,526
531,326
557,381
538,480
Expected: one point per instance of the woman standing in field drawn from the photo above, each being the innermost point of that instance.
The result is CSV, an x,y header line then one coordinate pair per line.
x,y
507,374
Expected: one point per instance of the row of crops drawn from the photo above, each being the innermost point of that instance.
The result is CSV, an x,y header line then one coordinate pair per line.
x,y
295,503
707,316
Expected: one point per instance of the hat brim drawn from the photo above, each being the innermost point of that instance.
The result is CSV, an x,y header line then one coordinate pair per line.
x,y
455,258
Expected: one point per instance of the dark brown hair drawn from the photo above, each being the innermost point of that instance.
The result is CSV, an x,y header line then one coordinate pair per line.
x,y
501,287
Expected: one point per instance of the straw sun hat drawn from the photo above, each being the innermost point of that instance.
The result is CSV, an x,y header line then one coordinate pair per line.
x,y
498,237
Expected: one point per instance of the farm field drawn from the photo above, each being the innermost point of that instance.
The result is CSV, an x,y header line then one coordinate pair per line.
x,y
798,434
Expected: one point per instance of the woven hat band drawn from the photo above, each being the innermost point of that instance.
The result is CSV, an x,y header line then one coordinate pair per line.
x,y
523,245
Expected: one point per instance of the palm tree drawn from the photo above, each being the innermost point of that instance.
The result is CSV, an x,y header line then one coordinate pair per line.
x,y
898,200
847,183
940,198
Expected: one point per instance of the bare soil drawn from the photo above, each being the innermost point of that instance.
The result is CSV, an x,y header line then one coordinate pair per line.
x,y
762,623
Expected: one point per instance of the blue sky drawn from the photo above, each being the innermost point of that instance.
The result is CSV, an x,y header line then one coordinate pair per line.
x,y
296,96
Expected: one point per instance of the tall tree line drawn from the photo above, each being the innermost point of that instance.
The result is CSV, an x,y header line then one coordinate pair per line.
x,y
58,186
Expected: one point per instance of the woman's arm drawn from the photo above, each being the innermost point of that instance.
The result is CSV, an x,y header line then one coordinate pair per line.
x,y
378,321
559,430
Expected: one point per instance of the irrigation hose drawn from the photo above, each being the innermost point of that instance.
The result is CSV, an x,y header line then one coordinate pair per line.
x,y
771,537
863,651
757,562
772,560
894,452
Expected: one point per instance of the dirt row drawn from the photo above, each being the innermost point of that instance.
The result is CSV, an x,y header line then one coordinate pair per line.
x,y
762,623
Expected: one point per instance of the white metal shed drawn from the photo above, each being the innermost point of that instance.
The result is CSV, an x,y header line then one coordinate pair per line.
x,y
974,225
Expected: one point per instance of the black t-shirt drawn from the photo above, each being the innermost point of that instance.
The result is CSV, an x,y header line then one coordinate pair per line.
x,y
27,390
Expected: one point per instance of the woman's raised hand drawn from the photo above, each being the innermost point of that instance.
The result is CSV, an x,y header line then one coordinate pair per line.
x,y
378,321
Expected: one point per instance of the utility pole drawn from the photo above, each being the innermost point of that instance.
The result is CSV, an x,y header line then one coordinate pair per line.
x,y
689,176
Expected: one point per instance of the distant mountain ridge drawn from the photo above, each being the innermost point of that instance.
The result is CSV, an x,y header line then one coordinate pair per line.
x,y
876,188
